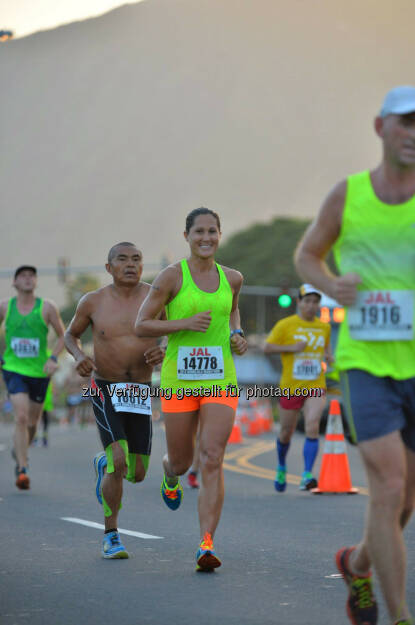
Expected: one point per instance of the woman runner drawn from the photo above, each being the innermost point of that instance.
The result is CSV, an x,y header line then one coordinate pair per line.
x,y
198,374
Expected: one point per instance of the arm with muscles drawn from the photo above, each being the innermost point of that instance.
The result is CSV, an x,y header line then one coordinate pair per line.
x,y
275,341
3,311
239,343
81,320
273,348
314,246
155,355
53,318
149,324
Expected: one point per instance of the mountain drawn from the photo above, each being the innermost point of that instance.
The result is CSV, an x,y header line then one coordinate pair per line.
x,y
114,128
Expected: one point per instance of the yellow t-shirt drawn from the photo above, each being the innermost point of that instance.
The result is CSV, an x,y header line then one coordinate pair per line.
x,y
301,369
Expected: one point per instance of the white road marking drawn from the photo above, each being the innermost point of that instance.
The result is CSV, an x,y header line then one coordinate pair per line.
x,y
334,576
98,526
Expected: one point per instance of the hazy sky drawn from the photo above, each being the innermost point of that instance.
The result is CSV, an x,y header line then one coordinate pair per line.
x,y
27,16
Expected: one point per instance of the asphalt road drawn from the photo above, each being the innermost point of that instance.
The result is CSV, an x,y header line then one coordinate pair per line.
x,y
277,549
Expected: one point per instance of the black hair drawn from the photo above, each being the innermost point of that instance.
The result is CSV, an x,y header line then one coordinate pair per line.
x,y
190,219
113,250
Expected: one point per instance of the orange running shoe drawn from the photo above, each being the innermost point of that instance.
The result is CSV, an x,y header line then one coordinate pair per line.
x,y
206,558
23,481
361,606
192,481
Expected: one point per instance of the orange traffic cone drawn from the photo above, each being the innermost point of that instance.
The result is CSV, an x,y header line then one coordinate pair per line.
x,y
254,428
236,434
335,472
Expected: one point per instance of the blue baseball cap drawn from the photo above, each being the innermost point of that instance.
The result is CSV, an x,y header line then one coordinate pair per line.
x,y
399,101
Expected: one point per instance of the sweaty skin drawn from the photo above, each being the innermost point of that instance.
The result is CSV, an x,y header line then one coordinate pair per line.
x,y
119,355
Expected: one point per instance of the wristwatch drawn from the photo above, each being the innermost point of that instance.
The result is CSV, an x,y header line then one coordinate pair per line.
x,y
54,358
238,331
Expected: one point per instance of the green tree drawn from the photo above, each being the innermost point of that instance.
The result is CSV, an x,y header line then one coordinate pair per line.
x,y
264,252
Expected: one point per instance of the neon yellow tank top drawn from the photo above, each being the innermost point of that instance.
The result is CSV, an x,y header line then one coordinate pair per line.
x,y
199,359
377,241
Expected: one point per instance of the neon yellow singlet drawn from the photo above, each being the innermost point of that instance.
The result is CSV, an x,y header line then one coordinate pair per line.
x,y
199,359
377,241
301,370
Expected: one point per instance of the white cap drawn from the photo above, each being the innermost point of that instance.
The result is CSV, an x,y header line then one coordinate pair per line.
x,y
308,289
399,101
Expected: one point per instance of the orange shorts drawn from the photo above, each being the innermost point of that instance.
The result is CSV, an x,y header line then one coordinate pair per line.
x,y
192,404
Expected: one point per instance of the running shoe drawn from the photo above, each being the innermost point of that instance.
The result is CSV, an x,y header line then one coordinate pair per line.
x,y
192,480
22,480
361,606
307,481
206,558
100,462
112,546
280,482
172,496
404,622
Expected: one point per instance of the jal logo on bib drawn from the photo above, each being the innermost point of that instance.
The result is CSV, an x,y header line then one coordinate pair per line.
x,y
379,298
25,348
200,363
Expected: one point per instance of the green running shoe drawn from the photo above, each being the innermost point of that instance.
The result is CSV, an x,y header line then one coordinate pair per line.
x,y
307,481
280,482
172,496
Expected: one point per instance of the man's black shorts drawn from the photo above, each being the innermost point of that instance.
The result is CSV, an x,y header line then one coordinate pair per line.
x,y
135,428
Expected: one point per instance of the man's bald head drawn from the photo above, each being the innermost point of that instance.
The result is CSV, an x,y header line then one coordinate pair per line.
x,y
113,251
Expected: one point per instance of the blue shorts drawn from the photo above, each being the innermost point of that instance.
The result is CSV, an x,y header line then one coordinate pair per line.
x,y
378,406
17,383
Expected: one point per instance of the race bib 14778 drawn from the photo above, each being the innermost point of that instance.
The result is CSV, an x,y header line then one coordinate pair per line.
x,y
382,316
200,363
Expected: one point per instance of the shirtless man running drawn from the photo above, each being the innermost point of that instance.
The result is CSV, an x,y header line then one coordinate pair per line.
x,y
120,386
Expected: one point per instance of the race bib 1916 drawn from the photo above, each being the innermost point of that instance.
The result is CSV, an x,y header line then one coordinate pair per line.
x,y
382,316
128,397
200,363
25,348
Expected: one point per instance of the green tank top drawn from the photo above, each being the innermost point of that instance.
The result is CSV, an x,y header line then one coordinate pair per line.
x,y
48,403
196,359
26,340
377,241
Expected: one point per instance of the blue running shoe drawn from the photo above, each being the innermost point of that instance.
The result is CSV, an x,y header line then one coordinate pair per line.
x,y
280,482
307,481
206,558
172,497
100,462
112,546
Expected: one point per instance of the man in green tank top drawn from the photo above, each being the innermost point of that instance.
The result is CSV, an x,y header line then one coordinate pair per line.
x,y
27,365
369,221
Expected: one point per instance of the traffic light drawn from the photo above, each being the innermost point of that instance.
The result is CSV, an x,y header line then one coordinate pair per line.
x,y
285,300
